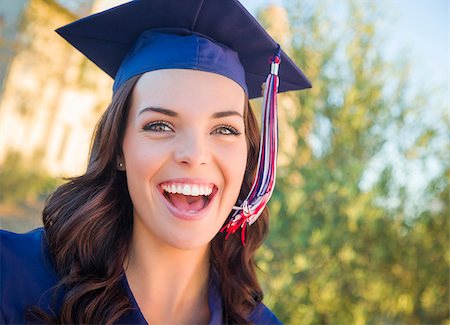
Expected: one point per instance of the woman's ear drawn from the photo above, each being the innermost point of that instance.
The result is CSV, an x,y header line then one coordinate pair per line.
x,y
120,164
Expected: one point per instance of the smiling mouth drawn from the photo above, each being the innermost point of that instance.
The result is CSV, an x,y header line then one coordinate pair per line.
x,y
188,198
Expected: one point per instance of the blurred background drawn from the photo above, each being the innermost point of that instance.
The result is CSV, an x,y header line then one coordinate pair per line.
x,y
360,216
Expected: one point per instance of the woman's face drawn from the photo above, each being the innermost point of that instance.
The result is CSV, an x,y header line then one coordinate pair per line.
x,y
185,154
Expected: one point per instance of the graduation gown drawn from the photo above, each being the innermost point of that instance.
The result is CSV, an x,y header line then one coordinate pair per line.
x,y
27,276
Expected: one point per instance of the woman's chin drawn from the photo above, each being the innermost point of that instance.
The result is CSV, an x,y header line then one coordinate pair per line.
x,y
188,241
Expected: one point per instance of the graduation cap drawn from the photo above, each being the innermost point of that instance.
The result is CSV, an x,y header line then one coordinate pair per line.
x,y
218,36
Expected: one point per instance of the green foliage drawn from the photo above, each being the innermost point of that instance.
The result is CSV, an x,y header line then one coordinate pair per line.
x,y
24,182
337,252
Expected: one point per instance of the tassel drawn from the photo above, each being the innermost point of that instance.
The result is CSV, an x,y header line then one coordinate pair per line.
x,y
264,182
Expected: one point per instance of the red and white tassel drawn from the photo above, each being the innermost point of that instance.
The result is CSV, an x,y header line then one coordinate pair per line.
x,y
264,182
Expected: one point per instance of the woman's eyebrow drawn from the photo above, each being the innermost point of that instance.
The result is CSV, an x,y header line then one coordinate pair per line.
x,y
226,114
164,111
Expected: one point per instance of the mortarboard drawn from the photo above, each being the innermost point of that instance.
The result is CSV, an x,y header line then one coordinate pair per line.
x,y
218,36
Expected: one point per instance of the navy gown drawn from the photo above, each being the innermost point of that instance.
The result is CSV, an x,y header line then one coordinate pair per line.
x,y
27,276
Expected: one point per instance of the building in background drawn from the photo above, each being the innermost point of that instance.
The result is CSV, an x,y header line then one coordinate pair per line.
x,y
52,96
10,14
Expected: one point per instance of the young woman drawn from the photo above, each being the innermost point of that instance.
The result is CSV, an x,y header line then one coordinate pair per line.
x,y
146,235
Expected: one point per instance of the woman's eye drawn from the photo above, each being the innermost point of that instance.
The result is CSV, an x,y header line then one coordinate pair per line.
x,y
159,126
226,130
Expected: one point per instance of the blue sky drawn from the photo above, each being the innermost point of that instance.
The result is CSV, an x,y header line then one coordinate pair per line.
x,y
420,28
423,28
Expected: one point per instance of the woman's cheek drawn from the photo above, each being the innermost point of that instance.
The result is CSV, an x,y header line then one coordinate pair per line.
x,y
145,156
234,160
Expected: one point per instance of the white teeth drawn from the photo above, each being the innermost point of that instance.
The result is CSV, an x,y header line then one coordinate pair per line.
x,y
195,191
187,189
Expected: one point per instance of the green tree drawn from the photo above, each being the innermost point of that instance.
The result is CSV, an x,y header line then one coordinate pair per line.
x,y
24,181
338,253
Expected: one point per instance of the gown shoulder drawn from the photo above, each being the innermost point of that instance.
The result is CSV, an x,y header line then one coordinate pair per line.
x,y
264,316
26,274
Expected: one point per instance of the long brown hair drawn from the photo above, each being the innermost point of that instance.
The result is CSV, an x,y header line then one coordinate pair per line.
x,y
88,225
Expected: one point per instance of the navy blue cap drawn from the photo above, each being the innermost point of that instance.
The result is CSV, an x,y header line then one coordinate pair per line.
x,y
179,49
218,36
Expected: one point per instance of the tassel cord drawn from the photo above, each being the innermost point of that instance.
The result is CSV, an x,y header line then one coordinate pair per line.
x,y
264,182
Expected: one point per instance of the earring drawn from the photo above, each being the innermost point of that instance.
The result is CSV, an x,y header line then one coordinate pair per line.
x,y
120,166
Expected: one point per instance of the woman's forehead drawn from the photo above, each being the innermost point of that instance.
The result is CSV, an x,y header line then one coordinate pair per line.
x,y
184,88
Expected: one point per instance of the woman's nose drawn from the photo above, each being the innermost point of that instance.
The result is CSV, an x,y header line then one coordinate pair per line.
x,y
193,150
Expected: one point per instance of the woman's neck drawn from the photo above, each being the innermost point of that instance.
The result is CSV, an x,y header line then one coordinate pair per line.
x,y
170,285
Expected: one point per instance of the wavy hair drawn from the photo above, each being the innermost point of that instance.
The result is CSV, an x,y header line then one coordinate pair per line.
x,y
90,216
